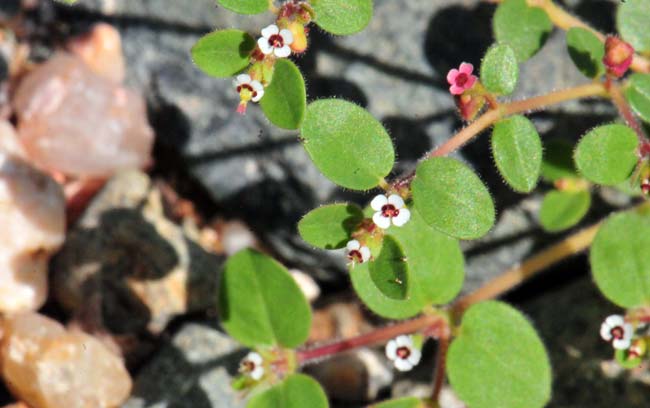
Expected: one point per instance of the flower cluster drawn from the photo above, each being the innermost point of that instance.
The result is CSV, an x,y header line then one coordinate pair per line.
x,y
631,343
461,79
403,353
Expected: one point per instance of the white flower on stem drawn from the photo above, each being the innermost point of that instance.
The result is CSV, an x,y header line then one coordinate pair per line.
x,y
248,90
402,352
356,252
252,366
275,41
615,330
389,209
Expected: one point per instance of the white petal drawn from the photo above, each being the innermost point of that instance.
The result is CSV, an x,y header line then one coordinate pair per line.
x,y
257,97
270,30
404,341
242,79
365,253
396,200
378,202
254,358
628,331
402,218
353,245
606,331
257,373
402,365
282,52
287,36
381,221
264,45
257,86
615,320
414,357
391,350
621,344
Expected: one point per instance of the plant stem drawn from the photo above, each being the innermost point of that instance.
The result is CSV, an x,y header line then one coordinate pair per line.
x,y
624,109
423,323
511,278
506,109
440,367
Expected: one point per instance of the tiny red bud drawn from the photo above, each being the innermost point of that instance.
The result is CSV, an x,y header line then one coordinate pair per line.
x,y
470,105
618,56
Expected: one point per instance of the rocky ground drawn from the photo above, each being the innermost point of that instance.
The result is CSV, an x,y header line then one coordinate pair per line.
x,y
139,265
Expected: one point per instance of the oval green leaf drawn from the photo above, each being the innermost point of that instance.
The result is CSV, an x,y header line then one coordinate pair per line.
x,y
296,391
620,260
342,17
389,271
499,70
498,360
400,403
607,154
285,99
436,271
223,53
638,95
517,151
522,27
260,304
245,6
563,209
557,162
347,144
330,226
632,23
586,51
451,198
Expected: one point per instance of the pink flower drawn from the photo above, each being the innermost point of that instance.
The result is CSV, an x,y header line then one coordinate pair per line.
x,y
461,79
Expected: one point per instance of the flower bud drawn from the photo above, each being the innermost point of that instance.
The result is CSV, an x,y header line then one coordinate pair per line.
x,y
618,56
299,43
470,105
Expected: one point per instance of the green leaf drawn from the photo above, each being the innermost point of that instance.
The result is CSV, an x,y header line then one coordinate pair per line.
x,y
563,209
499,70
586,51
223,53
498,360
451,198
632,23
347,144
607,154
638,95
436,271
557,162
330,226
620,260
522,27
400,403
260,304
67,1
342,17
245,6
285,99
296,391
389,271
517,151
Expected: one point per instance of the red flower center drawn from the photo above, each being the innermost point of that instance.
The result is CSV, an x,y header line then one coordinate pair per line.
x,y
403,352
389,210
247,87
617,332
462,79
355,256
276,41
247,366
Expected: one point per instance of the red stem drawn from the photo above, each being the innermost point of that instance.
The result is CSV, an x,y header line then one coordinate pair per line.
x,y
439,370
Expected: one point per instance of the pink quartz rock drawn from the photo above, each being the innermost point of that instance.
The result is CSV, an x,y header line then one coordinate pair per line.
x,y
47,366
101,50
33,222
78,123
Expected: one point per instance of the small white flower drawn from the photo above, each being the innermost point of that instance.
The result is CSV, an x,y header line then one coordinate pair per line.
x,y
275,41
389,209
615,330
402,352
356,252
244,83
252,366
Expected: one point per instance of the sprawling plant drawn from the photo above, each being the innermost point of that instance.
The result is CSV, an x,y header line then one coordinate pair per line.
x,y
405,262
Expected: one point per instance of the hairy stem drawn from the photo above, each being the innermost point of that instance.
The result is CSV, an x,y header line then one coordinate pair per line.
x,y
425,323
624,109
513,277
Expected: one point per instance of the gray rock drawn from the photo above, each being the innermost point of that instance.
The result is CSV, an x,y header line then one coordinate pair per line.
x,y
193,371
136,266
